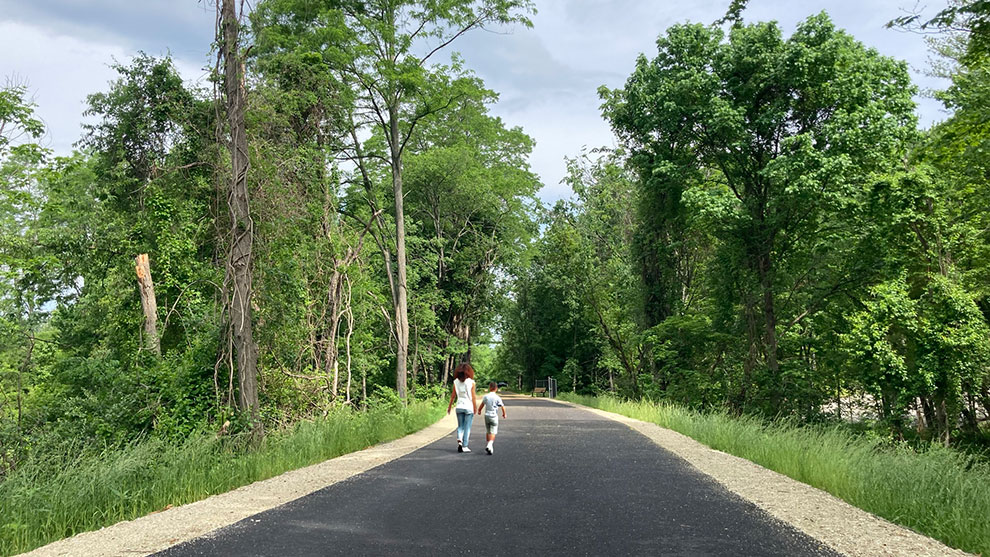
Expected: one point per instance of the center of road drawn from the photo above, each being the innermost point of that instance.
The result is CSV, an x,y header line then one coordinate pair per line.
x,y
562,480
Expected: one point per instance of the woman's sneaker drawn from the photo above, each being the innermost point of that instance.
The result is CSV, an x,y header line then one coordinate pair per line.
x,y
465,449
460,448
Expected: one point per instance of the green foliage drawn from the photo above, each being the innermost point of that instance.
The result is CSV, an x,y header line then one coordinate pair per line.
x,y
17,118
75,491
78,387
774,237
935,346
759,145
971,16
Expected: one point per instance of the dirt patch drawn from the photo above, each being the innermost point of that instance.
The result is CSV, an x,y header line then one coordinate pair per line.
x,y
837,524
166,528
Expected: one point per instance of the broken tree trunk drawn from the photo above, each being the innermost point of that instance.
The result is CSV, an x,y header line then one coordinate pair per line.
x,y
148,303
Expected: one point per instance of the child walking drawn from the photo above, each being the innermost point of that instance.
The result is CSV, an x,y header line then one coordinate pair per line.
x,y
491,402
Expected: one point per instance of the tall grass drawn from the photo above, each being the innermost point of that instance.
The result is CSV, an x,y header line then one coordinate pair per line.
x,y
939,492
42,502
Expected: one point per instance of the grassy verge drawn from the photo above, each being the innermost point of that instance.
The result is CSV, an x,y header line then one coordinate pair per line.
x,y
939,492
39,505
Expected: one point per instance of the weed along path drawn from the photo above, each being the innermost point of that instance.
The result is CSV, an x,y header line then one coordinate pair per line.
x,y
563,480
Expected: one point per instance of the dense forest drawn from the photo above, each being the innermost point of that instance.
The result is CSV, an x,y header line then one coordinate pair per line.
x,y
339,219
775,235
337,214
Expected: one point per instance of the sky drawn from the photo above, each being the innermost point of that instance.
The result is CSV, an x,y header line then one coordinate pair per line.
x,y
547,77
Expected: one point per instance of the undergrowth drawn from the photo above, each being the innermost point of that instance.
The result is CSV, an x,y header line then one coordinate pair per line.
x,y
65,494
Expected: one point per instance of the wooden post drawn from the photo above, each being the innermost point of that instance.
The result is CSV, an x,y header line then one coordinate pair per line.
x,y
148,303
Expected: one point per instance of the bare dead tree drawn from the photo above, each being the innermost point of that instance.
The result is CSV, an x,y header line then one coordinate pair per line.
x,y
149,305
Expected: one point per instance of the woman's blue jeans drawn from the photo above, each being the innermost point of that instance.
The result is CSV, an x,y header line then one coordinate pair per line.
x,y
464,420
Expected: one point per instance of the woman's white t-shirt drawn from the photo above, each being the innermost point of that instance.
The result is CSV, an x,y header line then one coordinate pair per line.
x,y
464,390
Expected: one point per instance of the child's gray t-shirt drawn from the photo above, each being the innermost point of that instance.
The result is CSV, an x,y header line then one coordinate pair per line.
x,y
492,402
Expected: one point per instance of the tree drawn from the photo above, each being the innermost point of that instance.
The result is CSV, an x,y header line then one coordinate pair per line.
x,y
792,128
971,17
956,176
605,219
239,261
471,195
23,291
552,330
16,117
919,336
383,50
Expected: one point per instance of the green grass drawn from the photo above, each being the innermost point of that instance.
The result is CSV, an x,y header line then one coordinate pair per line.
x,y
939,492
44,502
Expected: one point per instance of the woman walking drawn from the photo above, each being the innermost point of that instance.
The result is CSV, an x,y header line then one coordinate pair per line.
x,y
463,393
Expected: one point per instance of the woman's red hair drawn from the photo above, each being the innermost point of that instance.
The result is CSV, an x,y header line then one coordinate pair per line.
x,y
464,371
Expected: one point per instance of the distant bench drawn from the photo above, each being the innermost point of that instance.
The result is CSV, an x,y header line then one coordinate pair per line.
x,y
539,391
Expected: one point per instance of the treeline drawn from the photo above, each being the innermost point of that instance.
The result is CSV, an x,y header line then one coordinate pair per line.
x,y
383,205
776,235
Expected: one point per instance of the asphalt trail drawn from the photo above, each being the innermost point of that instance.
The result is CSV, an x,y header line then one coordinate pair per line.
x,y
562,481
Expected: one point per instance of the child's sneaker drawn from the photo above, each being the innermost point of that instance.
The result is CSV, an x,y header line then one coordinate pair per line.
x,y
489,450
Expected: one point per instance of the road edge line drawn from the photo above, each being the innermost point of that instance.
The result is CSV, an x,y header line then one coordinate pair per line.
x,y
859,533
158,531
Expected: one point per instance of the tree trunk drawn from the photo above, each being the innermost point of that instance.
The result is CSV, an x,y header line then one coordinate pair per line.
x,y
20,377
447,369
942,419
770,331
985,398
461,330
148,303
969,413
929,411
347,341
749,362
415,359
401,308
239,263
335,300
364,389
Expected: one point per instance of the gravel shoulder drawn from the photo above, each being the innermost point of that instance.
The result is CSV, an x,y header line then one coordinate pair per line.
x,y
835,523
158,531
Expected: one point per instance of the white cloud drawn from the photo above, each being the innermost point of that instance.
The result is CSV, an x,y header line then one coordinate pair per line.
x,y
60,71
561,125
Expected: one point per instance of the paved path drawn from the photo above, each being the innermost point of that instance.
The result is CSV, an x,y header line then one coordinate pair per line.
x,y
562,481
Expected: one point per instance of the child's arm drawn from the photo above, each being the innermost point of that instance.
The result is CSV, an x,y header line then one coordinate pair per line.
x,y
503,411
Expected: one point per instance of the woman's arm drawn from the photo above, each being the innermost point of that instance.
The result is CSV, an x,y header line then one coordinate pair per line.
x,y
453,397
474,395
